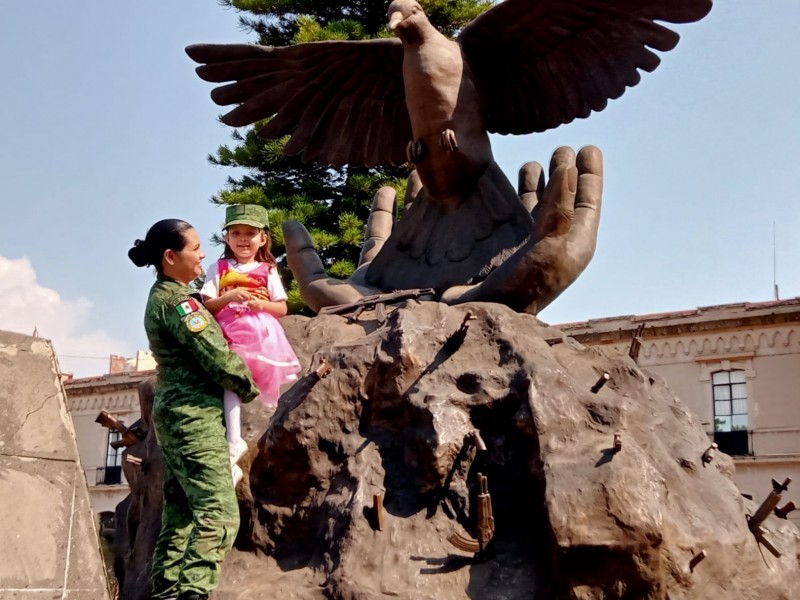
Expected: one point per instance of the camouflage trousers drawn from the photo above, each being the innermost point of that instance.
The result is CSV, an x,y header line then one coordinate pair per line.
x,y
200,515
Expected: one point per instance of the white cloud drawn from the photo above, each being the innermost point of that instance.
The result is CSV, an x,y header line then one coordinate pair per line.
x,y
26,305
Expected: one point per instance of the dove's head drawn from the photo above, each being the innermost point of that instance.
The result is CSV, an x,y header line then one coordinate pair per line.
x,y
403,12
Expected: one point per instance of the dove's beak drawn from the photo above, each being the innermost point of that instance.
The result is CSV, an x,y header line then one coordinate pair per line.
x,y
395,19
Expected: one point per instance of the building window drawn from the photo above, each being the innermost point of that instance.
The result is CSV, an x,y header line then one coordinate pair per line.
x,y
113,470
730,411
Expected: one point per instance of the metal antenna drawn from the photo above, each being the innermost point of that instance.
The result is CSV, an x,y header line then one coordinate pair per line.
x,y
774,263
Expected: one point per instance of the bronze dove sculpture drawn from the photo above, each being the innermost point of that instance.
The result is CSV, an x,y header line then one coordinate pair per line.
x,y
523,66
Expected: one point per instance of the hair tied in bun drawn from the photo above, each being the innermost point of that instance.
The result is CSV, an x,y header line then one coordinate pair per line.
x,y
167,234
138,254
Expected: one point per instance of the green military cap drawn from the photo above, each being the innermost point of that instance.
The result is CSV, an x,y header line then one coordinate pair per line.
x,y
254,215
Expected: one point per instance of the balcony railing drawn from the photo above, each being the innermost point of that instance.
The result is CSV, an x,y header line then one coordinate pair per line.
x,y
772,442
735,443
109,476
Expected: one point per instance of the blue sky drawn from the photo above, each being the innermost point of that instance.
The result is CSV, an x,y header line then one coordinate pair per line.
x,y
106,129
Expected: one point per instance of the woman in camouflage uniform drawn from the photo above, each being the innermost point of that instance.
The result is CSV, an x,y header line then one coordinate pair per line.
x,y
200,515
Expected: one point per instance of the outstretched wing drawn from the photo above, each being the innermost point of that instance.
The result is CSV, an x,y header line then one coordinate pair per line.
x,y
342,102
542,63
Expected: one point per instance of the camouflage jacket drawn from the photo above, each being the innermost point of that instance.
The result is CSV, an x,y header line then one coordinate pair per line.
x,y
194,361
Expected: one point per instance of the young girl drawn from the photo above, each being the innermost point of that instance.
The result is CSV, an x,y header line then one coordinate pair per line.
x,y
245,294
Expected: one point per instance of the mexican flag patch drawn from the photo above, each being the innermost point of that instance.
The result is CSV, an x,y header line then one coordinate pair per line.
x,y
187,307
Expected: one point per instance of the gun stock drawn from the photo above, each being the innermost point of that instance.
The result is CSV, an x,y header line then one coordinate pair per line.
x,y
109,422
129,438
130,435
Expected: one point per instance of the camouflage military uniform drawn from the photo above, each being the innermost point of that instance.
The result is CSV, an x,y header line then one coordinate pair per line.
x,y
200,517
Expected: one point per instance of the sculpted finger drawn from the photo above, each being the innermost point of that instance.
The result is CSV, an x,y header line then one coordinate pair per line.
x,y
379,224
590,160
458,294
301,255
563,156
316,288
413,188
557,208
582,237
531,184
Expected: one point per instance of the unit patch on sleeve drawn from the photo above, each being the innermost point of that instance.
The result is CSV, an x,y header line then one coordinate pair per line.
x,y
196,322
187,307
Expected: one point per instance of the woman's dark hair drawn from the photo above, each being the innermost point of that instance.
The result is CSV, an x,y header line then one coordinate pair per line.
x,y
264,254
164,235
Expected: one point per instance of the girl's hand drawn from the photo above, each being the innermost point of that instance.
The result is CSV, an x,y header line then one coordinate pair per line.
x,y
257,305
237,295
276,309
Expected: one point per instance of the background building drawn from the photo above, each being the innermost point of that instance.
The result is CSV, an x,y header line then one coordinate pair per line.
x,y
737,366
117,394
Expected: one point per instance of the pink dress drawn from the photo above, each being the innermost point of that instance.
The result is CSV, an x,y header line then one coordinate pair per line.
x,y
254,335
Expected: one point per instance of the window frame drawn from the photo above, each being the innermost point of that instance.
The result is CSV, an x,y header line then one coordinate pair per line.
x,y
112,471
730,392
732,439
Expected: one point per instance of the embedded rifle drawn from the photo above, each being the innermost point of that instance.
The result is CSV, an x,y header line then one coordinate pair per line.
x,y
485,523
377,302
636,343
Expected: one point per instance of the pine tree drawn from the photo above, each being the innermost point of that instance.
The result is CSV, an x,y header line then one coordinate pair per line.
x,y
332,203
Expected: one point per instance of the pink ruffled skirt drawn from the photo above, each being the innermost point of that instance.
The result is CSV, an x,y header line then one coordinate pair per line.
x,y
259,339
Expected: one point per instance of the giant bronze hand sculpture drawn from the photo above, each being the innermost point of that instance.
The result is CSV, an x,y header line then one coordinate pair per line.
x,y
522,66
560,245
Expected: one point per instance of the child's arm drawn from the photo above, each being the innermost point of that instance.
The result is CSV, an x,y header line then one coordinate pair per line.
x,y
275,301
276,309
210,295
